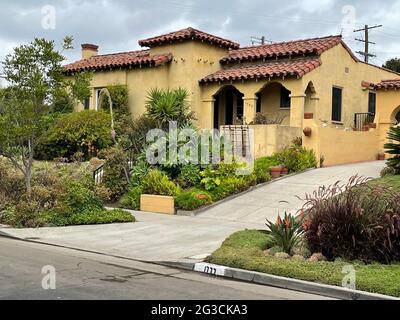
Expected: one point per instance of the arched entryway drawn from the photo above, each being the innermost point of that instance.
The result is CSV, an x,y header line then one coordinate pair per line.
x,y
228,107
395,117
273,102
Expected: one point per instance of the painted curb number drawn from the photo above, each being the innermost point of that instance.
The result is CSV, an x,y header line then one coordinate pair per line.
x,y
209,269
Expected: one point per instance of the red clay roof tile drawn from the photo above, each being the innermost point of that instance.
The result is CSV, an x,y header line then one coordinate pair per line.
x,y
118,60
388,84
186,34
314,46
296,68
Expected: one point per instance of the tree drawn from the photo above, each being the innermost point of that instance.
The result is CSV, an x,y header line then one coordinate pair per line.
x,y
393,64
36,81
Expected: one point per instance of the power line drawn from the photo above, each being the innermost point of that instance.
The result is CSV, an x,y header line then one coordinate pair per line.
x,y
259,40
366,41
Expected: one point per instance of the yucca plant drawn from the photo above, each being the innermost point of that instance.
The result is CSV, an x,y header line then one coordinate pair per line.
x,y
286,233
394,147
164,105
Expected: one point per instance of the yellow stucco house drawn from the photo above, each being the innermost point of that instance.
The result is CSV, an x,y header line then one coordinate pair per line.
x,y
316,83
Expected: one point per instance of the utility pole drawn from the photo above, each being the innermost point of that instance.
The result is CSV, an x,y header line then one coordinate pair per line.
x,y
260,41
366,41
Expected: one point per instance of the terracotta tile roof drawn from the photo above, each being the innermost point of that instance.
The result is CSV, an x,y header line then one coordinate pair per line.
x,y
186,34
118,60
314,46
296,68
388,84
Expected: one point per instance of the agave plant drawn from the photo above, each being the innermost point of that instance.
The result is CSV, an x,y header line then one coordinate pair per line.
x,y
286,233
169,105
394,147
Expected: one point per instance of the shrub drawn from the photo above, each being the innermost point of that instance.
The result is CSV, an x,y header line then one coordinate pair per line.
x,y
394,147
131,199
12,185
116,171
192,199
358,220
296,158
100,216
138,172
87,132
157,182
388,171
261,168
169,105
120,98
286,233
189,176
137,132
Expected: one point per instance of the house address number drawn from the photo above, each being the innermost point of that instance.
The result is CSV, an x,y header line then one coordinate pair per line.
x,y
208,268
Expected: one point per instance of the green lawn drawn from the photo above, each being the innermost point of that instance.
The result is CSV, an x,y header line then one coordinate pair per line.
x,y
244,250
391,181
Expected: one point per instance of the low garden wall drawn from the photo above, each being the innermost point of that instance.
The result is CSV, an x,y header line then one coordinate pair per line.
x,y
269,139
337,147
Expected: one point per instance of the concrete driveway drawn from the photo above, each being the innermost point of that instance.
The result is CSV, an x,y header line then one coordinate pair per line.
x,y
158,237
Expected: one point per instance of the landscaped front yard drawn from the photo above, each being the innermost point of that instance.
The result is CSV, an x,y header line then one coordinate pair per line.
x,y
352,240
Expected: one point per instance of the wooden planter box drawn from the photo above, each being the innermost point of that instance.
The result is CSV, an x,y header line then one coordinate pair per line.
x,y
157,204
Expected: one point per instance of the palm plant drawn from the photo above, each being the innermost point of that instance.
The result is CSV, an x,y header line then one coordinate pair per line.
x,y
169,105
394,147
286,233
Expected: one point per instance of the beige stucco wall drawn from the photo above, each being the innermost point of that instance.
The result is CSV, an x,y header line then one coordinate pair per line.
x,y
337,146
269,139
271,103
388,105
340,69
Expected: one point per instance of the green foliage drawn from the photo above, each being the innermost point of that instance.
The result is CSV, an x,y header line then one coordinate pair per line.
x,y
296,158
138,172
157,182
394,147
393,64
119,97
285,233
189,176
137,132
131,199
116,171
244,250
388,171
192,199
261,168
358,220
169,105
59,196
87,132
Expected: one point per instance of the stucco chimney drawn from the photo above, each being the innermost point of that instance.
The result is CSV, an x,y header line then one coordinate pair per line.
x,y
89,50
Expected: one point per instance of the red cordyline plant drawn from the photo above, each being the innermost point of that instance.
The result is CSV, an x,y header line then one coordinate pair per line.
x,y
285,233
357,220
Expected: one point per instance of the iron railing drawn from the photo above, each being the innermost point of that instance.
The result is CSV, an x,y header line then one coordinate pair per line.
x,y
361,120
98,173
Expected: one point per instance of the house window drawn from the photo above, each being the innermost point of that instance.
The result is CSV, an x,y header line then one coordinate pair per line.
x,y
98,91
372,102
336,104
86,103
285,98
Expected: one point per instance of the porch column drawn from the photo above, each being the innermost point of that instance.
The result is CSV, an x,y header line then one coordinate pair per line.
x,y
297,102
249,108
206,116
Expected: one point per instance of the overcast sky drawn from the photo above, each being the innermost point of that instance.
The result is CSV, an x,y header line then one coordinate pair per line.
x,y
117,25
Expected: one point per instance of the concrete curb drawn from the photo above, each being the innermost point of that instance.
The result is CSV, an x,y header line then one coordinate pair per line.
x,y
234,196
287,283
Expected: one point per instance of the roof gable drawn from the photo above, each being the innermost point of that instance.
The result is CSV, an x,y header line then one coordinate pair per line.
x,y
188,34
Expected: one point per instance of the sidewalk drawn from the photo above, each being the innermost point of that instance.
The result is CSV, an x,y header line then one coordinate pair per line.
x,y
157,237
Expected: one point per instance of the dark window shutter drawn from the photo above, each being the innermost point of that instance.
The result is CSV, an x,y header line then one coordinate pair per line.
x,y
285,97
372,102
336,104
